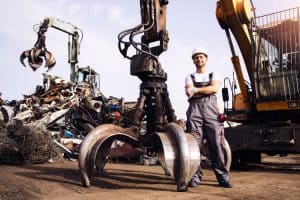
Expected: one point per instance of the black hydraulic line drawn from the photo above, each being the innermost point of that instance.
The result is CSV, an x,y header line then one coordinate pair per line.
x,y
140,112
230,42
170,110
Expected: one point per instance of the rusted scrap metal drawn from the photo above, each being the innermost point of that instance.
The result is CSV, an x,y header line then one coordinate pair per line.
x,y
26,144
124,150
6,113
39,53
70,111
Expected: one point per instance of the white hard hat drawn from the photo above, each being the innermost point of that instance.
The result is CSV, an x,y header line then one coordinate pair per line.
x,y
199,50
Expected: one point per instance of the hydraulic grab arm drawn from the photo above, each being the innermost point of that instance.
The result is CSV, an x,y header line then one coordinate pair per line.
x,y
178,151
39,51
154,98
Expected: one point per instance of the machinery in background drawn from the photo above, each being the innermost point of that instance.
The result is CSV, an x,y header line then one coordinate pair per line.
x,y
91,107
268,107
67,108
39,53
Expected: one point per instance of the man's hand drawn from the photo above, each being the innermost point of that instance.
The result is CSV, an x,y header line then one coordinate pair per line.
x,y
191,91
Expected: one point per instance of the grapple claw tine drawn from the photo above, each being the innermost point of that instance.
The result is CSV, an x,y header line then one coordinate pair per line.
x,y
50,60
35,59
180,154
23,56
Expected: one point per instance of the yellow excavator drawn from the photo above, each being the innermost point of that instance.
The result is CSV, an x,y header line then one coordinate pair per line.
x,y
268,105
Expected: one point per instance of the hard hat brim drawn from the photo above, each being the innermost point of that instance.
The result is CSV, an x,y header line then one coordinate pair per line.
x,y
199,53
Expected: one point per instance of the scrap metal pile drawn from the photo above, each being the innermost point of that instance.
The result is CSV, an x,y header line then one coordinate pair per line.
x,y
61,113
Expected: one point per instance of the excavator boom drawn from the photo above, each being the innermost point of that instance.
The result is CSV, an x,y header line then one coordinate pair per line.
x,y
61,25
236,17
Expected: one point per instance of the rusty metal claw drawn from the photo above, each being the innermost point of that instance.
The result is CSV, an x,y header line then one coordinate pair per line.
x,y
24,55
35,60
50,60
36,57
38,54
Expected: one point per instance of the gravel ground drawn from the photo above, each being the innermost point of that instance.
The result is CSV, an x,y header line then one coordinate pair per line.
x,y
277,178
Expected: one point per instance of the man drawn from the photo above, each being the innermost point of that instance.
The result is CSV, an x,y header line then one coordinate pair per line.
x,y
202,116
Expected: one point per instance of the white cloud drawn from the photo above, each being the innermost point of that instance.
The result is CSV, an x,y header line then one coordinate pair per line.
x,y
76,10
122,17
97,7
114,14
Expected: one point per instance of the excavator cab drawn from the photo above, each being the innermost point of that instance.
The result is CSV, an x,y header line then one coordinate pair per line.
x,y
88,75
270,48
277,61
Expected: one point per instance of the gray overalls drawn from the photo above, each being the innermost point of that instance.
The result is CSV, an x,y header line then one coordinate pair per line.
x,y
202,118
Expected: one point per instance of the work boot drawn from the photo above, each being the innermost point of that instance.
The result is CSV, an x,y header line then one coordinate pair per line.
x,y
195,181
224,182
193,184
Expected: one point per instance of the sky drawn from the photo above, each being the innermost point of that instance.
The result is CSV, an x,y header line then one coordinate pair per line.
x,y
190,23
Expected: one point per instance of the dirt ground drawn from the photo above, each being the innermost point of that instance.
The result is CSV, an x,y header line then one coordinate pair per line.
x,y
277,178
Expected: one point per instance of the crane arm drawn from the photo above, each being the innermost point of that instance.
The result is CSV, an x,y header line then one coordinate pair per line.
x,y
153,28
61,25
39,52
235,15
70,29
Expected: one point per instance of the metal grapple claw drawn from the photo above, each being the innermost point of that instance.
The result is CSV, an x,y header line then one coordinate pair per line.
x,y
24,55
38,54
178,152
36,57
95,147
50,60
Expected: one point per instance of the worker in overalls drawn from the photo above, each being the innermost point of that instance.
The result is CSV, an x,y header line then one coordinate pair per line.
x,y
203,116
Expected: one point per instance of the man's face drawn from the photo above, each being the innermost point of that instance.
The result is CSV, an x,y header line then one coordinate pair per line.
x,y
200,60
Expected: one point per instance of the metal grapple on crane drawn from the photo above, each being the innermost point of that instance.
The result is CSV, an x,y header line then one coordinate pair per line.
x,y
39,53
178,151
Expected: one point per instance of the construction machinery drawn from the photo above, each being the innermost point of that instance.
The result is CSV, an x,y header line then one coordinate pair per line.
x,y
177,151
39,53
73,107
268,106
92,107
84,81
